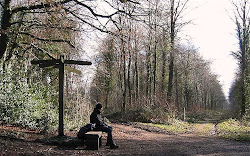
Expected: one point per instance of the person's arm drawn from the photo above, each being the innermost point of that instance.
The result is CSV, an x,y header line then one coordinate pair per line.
x,y
95,120
99,121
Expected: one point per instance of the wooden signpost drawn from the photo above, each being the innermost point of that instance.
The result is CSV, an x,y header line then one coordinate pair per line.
x,y
59,63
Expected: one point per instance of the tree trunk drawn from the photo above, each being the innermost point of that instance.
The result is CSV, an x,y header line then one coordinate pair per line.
x,y
129,66
243,66
5,24
176,89
124,77
164,60
136,71
155,53
155,68
171,59
148,64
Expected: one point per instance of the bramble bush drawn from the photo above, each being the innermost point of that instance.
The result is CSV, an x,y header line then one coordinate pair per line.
x,y
32,102
25,104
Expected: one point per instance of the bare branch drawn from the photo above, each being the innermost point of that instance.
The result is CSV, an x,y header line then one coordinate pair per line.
x,y
42,50
88,23
95,14
32,46
237,10
39,6
178,13
45,26
48,40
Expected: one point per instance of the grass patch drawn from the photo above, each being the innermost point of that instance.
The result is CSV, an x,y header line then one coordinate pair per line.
x,y
202,129
174,126
184,127
233,129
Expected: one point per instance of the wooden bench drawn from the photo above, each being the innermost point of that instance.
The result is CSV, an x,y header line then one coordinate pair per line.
x,y
93,139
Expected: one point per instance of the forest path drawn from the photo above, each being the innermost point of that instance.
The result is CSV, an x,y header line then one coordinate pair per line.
x,y
134,141
140,142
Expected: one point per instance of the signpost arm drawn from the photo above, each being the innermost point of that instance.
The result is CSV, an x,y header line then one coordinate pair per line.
x,y
61,91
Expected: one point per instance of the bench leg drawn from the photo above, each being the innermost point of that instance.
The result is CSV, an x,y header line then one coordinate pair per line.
x,y
100,141
94,143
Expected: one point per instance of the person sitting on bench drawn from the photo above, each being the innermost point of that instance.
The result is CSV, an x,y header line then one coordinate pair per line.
x,y
100,125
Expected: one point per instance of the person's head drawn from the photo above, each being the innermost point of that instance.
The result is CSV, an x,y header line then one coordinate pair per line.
x,y
98,106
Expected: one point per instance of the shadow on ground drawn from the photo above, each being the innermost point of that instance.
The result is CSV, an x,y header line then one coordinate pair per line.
x,y
132,141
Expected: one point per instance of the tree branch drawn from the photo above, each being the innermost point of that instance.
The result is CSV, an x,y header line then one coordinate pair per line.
x,y
237,10
48,40
124,1
32,46
178,13
84,21
95,14
45,26
42,50
39,6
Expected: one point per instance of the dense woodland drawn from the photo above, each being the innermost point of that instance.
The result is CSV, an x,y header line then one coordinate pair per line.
x,y
141,66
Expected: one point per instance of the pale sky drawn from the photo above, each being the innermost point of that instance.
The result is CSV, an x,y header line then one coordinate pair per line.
x,y
213,33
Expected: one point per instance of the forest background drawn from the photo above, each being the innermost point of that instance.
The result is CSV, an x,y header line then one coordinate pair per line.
x,y
141,71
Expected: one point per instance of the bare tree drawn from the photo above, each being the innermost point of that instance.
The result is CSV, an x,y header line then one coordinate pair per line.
x,y
72,9
242,21
176,9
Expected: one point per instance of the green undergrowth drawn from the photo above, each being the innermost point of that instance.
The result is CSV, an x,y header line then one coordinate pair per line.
x,y
206,123
206,116
234,129
180,127
229,129
174,126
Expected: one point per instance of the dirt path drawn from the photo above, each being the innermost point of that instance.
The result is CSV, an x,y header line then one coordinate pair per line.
x,y
134,141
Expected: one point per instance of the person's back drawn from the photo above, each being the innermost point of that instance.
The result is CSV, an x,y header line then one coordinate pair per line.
x,y
96,118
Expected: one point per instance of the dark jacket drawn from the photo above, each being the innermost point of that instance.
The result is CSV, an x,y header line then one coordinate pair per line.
x,y
96,118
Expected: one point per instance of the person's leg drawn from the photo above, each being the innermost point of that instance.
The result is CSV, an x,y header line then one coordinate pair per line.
x,y
110,142
108,130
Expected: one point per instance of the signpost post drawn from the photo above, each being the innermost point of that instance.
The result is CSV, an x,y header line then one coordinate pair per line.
x,y
59,63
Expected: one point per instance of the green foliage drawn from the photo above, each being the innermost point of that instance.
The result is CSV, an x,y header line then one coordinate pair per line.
x,y
246,120
233,129
174,126
230,125
25,104
28,94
